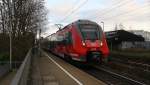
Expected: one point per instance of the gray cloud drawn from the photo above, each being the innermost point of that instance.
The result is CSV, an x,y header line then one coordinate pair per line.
x,y
134,13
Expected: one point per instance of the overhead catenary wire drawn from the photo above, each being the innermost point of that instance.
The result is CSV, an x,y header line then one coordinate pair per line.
x,y
126,13
70,10
66,17
114,6
99,10
117,6
74,10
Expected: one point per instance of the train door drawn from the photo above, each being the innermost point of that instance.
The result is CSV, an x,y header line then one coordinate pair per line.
x,y
68,42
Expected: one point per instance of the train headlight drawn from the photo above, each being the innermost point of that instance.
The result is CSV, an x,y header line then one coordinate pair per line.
x,y
83,43
101,43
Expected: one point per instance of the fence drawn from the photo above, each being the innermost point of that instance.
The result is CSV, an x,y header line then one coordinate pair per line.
x,y
21,76
4,69
145,45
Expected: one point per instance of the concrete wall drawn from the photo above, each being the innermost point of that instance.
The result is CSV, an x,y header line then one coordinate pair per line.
x,y
125,45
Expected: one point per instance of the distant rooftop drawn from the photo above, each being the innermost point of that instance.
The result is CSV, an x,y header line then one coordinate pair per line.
x,y
119,36
145,34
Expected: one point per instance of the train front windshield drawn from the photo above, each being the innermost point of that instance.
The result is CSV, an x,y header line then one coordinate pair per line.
x,y
90,32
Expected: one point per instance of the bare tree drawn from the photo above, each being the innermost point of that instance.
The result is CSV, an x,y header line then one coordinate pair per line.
x,y
24,17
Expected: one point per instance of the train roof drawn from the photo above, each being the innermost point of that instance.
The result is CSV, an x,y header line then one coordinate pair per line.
x,y
80,21
84,21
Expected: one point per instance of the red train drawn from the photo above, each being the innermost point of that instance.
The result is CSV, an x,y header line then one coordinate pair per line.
x,y
82,40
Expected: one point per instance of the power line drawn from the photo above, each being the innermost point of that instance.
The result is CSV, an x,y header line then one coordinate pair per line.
x,y
70,10
96,11
125,13
73,11
118,5
105,8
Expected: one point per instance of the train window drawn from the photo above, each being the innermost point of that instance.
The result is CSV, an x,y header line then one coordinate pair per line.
x,y
60,38
69,38
90,32
89,35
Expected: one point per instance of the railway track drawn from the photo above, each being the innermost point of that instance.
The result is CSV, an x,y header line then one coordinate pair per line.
x,y
110,77
138,65
135,70
122,80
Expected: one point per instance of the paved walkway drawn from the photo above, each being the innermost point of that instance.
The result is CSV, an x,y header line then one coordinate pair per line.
x,y
6,80
41,74
50,70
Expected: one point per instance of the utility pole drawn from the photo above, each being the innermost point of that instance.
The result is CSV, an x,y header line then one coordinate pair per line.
x,y
116,27
103,24
10,31
39,42
10,35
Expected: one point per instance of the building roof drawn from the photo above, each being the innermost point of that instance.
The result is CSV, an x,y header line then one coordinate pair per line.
x,y
119,36
143,33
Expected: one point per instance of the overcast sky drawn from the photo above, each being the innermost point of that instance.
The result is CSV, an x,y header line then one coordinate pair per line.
x,y
132,14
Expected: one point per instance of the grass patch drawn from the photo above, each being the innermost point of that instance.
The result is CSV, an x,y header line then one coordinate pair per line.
x,y
132,54
137,55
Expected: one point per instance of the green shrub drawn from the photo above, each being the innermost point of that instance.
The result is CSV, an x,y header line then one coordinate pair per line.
x,y
4,57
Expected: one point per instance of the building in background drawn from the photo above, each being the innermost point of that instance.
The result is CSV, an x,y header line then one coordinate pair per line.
x,y
121,39
143,33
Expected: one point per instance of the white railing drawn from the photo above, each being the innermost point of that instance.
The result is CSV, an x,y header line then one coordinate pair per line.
x,y
21,76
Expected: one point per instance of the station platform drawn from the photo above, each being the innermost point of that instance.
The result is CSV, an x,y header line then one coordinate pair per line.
x,y
51,70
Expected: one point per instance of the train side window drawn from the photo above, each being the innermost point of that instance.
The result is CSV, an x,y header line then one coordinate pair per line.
x,y
69,38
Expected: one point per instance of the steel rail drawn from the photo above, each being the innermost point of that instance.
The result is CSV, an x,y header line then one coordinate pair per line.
x,y
120,76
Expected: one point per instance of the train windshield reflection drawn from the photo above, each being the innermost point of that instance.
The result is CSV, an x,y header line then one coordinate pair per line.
x,y
90,32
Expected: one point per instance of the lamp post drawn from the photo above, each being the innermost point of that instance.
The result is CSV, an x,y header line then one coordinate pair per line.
x,y
10,42
10,32
103,24
40,42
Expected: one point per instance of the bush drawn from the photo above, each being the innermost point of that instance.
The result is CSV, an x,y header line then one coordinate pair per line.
x,y
4,57
20,46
